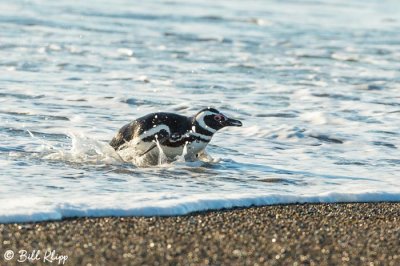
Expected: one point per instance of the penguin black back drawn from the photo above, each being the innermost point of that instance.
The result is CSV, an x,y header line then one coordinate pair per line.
x,y
178,124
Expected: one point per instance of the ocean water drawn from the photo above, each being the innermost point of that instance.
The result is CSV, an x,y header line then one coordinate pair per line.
x,y
316,84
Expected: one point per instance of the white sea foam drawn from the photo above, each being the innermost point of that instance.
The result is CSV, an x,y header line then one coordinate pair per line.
x,y
165,204
83,150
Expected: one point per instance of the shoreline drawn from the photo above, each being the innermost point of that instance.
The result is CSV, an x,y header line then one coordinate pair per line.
x,y
295,234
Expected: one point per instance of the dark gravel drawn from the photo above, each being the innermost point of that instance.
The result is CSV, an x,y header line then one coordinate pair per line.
x,y
310,234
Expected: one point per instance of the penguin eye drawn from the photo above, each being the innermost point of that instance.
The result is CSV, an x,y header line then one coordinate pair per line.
x,y
218,117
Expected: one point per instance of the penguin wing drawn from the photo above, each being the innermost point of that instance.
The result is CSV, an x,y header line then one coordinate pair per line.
x,y
162,137
148,137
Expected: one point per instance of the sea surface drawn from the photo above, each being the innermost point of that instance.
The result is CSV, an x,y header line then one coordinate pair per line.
x,y
315,83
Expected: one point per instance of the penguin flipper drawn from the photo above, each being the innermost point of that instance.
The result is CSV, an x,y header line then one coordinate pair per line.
x,y
161,137
149,149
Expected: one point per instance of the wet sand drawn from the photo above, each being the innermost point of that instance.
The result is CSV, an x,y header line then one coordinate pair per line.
x,y
307,234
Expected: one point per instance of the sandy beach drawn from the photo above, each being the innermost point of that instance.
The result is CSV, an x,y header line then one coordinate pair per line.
x,y
307,234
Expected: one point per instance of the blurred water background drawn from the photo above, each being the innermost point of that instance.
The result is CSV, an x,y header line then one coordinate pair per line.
x,y
316,84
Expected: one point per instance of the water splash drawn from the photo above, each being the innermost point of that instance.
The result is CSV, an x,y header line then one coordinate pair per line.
x,y
45,144
156,156
182,158
185,152
162,158
84,150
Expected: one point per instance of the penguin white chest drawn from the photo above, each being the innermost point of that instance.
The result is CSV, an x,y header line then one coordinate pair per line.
x,y
192,149
196,146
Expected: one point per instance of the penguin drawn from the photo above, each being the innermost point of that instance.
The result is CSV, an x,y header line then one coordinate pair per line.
x,y
174,134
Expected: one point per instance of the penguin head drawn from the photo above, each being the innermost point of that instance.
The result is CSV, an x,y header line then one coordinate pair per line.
x,y
212,120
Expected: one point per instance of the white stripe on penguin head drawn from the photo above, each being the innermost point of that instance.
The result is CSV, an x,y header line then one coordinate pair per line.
x,y
200,119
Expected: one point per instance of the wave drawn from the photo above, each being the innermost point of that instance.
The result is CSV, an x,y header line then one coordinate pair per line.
x,y
38,209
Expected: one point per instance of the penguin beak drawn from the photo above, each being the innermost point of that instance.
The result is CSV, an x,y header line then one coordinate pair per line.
x,y
232,123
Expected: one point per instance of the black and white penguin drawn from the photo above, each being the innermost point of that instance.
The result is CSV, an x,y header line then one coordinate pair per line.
x,y
172,132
